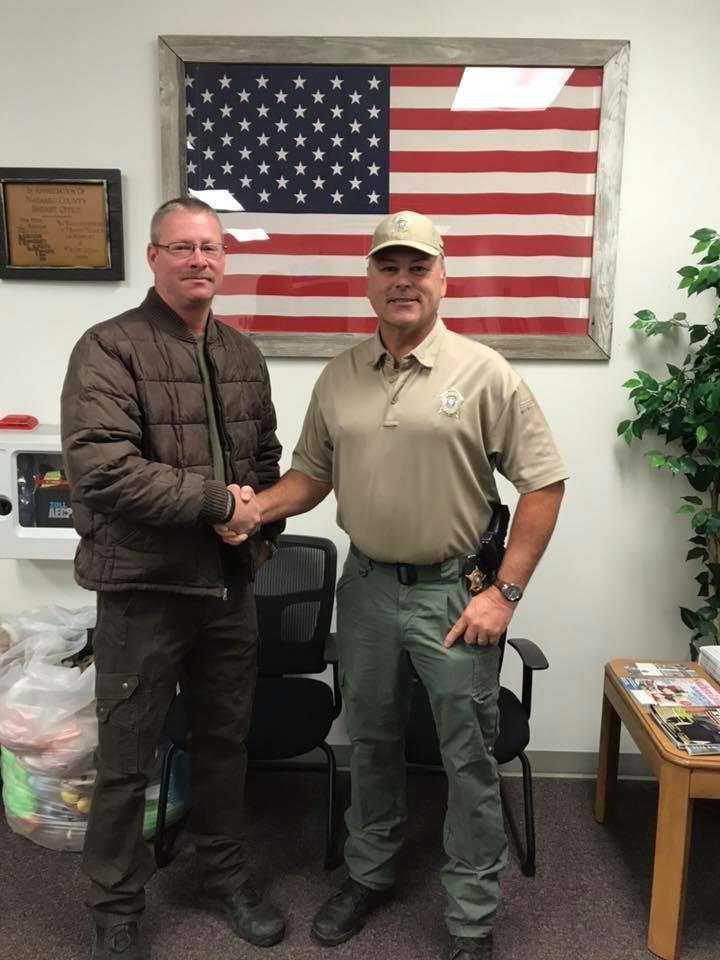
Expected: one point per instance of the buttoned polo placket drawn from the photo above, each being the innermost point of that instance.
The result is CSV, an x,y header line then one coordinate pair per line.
x,y
412,365
394,380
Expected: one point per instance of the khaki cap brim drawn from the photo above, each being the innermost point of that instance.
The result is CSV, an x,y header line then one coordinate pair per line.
x,y
412,244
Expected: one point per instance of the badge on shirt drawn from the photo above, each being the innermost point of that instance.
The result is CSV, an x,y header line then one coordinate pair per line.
x,y
450,402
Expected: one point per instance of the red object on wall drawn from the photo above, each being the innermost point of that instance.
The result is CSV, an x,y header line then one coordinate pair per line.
x,y
18,421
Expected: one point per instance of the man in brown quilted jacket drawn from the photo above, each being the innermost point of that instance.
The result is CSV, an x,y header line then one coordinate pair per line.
x,y
165,413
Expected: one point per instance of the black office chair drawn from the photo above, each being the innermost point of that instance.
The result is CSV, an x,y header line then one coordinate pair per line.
x,y
421,742
293,712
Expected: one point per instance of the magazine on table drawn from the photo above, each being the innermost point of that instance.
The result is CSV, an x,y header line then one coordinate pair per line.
x,y
644,669
672,691
695,730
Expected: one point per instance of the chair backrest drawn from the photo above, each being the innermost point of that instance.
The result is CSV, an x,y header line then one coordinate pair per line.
x,y
294,596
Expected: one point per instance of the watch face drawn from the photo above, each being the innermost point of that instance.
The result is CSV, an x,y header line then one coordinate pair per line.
x,y
511,592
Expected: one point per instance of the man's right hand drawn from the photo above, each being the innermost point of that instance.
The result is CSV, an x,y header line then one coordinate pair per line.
x,y
246,517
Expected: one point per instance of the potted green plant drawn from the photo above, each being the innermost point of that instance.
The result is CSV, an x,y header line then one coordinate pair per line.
x,y
684,411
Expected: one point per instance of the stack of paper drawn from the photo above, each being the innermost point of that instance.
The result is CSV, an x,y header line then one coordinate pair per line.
x,y
709,660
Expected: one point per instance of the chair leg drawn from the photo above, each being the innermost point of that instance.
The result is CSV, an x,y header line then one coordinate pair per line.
x,y
526,851
164,837
332,854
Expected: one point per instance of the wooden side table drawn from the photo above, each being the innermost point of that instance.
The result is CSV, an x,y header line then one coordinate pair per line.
x,y
681,780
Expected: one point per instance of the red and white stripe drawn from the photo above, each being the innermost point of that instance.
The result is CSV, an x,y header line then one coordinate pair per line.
x,y
512,193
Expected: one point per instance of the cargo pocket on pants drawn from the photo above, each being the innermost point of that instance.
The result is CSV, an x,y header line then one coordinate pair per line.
x,y
118,715
485,691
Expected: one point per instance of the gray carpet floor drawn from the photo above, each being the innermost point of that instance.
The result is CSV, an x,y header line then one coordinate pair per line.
x,y
588,901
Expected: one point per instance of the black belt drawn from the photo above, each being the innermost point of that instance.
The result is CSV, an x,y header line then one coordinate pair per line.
x,y
410,573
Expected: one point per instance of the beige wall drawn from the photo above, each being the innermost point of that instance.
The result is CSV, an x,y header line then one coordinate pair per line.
x,y
79,84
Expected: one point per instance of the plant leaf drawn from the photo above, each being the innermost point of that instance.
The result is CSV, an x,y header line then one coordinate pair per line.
x,y
689,618
698,331
704,233
700,246
707,629
700,519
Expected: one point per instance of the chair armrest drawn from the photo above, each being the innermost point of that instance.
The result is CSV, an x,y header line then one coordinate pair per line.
x,y
530,653
331,654
331,658
532,659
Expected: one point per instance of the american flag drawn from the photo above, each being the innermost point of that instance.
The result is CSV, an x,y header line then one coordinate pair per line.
x,y
315,155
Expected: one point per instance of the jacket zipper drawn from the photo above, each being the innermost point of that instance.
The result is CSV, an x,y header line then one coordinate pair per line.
x,y
219,418
220,423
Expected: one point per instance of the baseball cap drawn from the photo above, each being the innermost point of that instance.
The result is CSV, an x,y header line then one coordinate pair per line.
x,y
407,229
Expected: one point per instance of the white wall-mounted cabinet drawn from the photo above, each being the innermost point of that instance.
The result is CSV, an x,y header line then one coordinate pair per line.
x,y
35,511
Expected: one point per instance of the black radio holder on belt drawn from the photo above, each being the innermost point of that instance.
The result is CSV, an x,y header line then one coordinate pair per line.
x,y
492,541
481,568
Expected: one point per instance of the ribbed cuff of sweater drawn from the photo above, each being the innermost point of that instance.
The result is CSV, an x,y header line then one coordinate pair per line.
x,y
215,506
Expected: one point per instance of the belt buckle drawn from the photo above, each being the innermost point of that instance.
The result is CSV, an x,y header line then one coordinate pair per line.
x,y
406,574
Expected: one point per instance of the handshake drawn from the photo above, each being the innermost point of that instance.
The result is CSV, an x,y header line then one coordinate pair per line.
x,y
246,517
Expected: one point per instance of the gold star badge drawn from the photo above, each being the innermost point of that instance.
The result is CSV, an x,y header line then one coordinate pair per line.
x,y
476,580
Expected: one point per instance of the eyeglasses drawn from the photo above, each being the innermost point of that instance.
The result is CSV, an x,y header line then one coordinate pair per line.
x,y
183,248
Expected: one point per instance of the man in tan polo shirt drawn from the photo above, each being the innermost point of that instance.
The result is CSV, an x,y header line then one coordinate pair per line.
x,y
408,429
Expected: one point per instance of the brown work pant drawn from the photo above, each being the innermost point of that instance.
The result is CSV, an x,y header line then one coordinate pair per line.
x,y
145,643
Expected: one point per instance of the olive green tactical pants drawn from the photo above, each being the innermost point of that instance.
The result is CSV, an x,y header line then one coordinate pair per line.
x,y
380,623
145,642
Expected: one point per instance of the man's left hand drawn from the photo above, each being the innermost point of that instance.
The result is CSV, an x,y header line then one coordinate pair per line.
x,y
483,621
231,537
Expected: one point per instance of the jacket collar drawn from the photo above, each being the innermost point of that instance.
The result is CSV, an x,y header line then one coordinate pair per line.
x,y
163,316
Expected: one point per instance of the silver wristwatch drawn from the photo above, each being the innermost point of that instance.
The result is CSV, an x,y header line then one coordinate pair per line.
x,y
511,591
